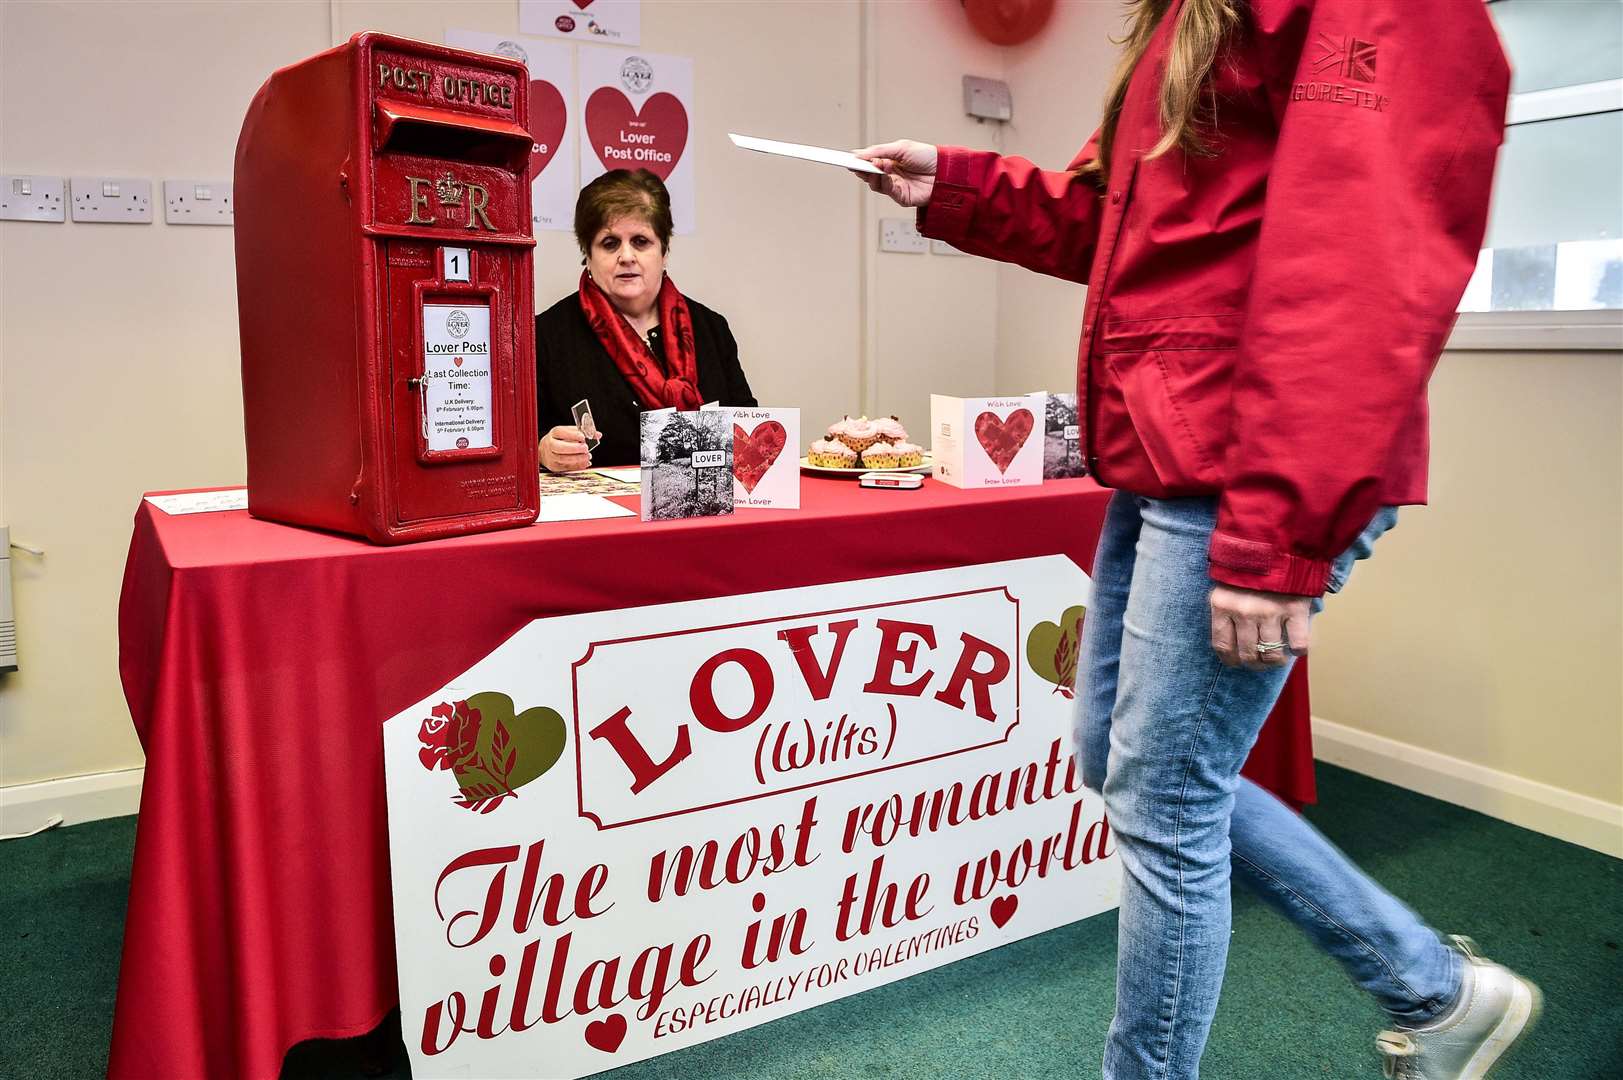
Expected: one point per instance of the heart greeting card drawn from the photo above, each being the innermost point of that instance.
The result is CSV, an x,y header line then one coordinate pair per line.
x,y
766,470
988,442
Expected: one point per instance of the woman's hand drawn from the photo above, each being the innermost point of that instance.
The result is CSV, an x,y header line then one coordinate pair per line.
x,y
909,169
563,449
1243,617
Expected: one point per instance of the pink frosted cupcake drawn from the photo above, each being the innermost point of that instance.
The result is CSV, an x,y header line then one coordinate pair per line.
x,y
830,454
890,429
907,454
858,434
881,455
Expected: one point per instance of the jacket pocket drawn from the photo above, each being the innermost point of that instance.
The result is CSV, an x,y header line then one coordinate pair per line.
x,y
1178,411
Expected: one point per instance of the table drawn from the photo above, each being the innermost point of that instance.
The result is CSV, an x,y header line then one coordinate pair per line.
x,y
259,662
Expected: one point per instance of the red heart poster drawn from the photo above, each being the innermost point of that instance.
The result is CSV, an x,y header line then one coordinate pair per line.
x,y
637,113
626,137
1002,439
548,118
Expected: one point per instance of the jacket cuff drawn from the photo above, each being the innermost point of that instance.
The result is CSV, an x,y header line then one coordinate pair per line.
x,y
1252,564
952,201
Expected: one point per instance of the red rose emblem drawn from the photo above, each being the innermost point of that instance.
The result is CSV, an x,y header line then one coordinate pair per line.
x,y
449,736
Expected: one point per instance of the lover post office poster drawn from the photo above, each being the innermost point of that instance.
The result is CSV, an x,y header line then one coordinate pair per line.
x,y
626,832
637,113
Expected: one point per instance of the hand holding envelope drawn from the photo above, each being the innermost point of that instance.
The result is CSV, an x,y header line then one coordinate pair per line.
x,y
907,170
904,170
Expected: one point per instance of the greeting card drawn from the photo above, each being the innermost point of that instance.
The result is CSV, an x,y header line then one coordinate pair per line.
x,y
687,464
988,442
1062,439
766,472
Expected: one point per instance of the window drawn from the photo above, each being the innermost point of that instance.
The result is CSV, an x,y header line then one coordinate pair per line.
x,y
1555,234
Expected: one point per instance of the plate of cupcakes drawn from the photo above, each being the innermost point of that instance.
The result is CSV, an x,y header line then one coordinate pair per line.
x,y
853,447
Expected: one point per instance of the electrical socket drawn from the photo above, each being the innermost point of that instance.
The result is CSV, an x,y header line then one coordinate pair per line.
x,y
119,199
901,235
198,202
31,198
941,247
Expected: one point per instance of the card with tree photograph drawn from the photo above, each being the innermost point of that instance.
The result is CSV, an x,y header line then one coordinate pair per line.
x,y
1062,439
687,464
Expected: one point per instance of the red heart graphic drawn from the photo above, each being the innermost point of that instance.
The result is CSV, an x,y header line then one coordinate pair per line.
x,y
606,1034
754,453
547,120
1002,439
611,120
583,4
457,360
1003,909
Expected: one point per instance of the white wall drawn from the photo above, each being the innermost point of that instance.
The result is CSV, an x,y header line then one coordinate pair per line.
x,y
1487,630
936,315
118,344
1058,81
1479,655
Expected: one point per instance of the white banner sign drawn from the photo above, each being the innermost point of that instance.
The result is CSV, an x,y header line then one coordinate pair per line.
x,y
605,22
627,832
637,110
553,120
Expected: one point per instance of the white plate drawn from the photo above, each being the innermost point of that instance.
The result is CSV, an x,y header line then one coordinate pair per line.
x,y
824,470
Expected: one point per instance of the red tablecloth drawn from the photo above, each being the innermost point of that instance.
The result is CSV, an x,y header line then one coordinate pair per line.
x,y
260,662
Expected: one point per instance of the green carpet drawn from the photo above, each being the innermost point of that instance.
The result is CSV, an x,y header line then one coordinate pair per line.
x,y
1034,1009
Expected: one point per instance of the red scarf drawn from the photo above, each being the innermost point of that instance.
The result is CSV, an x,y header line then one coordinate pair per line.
x,y
675,387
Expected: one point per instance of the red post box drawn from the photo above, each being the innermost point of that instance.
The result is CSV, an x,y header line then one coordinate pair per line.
x,y
384,292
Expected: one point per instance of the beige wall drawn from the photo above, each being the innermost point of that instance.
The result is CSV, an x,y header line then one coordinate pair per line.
x,y
1489,624
936,315
1488,628
1058,81
118,344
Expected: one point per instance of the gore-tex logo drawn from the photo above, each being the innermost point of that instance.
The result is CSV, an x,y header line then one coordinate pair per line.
x,y
1348,57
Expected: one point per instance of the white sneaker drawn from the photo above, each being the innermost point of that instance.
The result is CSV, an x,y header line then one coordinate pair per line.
x,y
1496,1007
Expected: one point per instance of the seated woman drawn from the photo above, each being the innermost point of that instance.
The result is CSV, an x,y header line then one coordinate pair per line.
x,y
627,341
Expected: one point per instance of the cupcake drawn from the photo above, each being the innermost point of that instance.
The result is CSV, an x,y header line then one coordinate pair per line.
x,y
881,455
829,454
858,434
890,429
907,454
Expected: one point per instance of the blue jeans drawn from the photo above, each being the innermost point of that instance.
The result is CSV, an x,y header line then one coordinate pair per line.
x,y
1163,730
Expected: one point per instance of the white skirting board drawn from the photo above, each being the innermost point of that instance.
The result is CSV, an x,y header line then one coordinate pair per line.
x,y
25,807
1565,815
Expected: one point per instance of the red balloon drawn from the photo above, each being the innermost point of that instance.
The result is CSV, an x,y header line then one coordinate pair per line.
x,y
1008,22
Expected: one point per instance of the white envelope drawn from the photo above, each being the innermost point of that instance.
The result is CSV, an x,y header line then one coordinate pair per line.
x,y
842,158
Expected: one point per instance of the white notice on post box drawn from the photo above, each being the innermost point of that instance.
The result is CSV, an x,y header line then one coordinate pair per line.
x,y
456,377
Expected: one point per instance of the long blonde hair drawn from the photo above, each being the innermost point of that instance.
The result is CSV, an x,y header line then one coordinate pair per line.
x,y
1187,109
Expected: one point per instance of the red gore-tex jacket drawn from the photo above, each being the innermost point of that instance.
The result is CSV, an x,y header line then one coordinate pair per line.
x,y
1260,325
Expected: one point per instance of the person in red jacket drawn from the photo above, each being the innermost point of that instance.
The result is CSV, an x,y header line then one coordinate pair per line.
x,y
1275,221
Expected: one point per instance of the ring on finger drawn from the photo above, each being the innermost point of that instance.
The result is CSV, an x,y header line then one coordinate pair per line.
x,y
1266,647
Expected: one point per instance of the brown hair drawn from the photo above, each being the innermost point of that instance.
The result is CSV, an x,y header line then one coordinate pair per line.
x,y
1187,109
622,193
